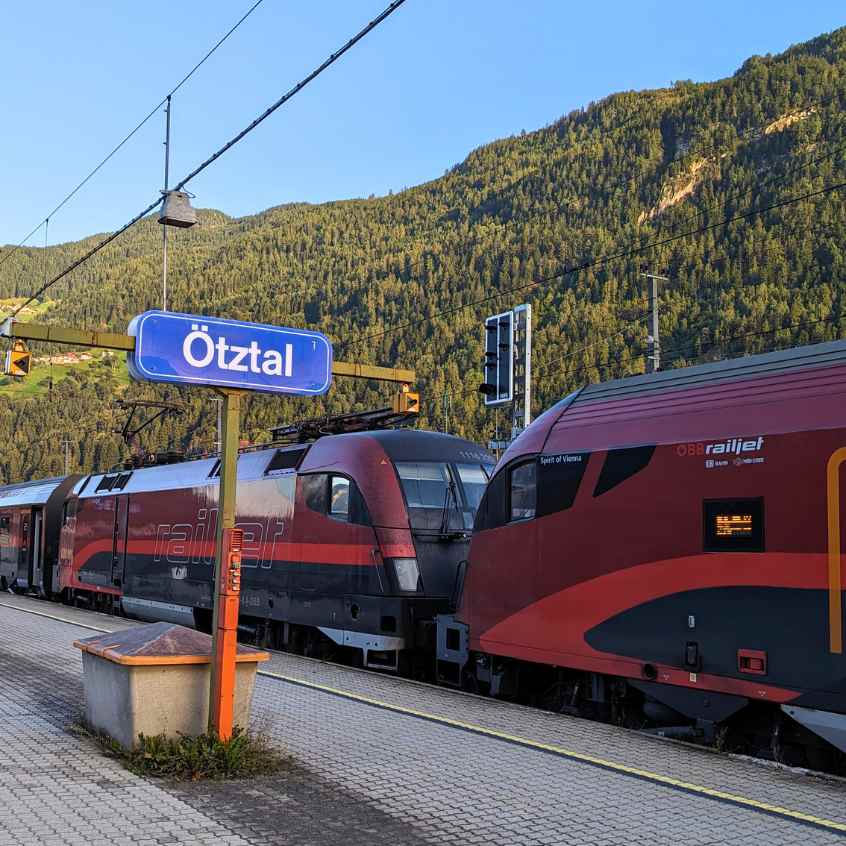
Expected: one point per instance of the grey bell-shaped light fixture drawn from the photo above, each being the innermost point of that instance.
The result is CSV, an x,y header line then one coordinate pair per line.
x,y
177,210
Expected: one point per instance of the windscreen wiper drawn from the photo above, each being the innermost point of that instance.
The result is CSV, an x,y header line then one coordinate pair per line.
x,y
449,494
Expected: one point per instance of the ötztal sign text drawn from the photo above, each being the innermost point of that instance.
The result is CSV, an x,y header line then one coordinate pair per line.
x,y
193,350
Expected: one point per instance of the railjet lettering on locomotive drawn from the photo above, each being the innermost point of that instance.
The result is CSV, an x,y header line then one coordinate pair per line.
x,y
182,544
735,446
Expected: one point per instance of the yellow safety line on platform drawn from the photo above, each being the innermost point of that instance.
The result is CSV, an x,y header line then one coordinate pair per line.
x,y
54,617
612,766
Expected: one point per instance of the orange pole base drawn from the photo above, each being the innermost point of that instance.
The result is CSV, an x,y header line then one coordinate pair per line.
x,y
227,645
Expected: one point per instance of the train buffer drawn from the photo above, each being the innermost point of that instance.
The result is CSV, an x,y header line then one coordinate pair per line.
x,y
379,760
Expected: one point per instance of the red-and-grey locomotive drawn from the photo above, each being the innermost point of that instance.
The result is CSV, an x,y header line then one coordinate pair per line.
x,y
671,542
354,539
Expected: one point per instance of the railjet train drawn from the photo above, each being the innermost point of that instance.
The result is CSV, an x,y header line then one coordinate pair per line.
x,y
671,543
663,550
351,542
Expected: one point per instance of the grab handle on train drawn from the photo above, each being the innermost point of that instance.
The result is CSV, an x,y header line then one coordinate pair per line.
x,y
458,585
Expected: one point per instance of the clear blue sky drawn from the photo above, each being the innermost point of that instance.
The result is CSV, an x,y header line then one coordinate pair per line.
x,y
437,79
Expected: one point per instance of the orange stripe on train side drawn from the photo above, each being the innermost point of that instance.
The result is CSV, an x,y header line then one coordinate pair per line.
x,y
355,554
835,596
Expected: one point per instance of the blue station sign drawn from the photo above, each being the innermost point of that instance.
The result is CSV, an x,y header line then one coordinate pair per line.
x,y
186,349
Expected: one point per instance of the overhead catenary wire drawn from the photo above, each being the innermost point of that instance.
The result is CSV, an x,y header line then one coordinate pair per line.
x,y
698,324
838,150
291,92
750,134
592,263
539,369
132,133
216,155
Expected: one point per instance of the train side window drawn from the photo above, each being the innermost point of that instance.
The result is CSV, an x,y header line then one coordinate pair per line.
x,y
335,496
733,525
5,523
339,498
523,490
559,478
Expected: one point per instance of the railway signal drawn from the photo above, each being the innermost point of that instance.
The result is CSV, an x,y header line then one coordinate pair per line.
x,y
499,360
18,361
508,365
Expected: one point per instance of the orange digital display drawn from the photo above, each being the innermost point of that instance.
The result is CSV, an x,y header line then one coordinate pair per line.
x,y
733,526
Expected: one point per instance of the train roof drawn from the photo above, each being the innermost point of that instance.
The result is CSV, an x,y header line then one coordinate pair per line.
x,y
185,474
728,370
421,444
400,445
29,493
626,410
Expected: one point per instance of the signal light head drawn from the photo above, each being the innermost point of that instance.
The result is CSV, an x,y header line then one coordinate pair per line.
x,y
407,401
18,361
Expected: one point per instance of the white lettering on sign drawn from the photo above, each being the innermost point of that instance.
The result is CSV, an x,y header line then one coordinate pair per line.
x,y
200,349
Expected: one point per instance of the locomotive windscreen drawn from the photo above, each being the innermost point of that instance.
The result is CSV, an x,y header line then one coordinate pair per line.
x,y
441,496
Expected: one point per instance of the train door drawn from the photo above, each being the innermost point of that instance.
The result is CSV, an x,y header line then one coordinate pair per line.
x,y
24,575
8,552
120,538
36,548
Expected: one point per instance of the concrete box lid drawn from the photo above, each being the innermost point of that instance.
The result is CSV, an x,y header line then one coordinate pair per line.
x,y
155,644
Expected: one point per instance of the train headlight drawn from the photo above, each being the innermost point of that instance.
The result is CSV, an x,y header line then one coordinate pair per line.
x,y
407,574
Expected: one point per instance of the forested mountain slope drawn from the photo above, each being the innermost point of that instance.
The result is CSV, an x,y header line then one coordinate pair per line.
x,y
389,279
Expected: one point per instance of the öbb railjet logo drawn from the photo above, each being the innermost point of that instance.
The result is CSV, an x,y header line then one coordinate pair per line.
x,y
728,447
232,357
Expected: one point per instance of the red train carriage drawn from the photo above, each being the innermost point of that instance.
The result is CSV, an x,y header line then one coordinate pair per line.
x,y
30,518
353,540
671,540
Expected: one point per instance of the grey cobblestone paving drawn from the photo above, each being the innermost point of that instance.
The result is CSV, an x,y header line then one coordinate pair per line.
x,y
57,788
366,775
817,795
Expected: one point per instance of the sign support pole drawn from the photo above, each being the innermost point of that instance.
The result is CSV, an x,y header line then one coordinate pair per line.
x,y
227,576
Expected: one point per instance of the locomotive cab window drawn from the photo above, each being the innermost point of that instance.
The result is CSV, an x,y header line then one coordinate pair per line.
x,y
523,490
339,498
733,525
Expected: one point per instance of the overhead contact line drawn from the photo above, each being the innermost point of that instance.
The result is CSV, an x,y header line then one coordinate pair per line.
x,y
745,136
593,263
216,155
126,138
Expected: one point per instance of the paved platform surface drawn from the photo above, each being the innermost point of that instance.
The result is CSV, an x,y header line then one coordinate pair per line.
x,y
396,769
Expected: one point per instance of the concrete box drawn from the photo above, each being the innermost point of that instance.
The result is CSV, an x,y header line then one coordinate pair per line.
x,y
154,679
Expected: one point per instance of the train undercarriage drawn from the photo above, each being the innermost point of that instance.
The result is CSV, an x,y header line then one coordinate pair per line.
x,y
760,730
